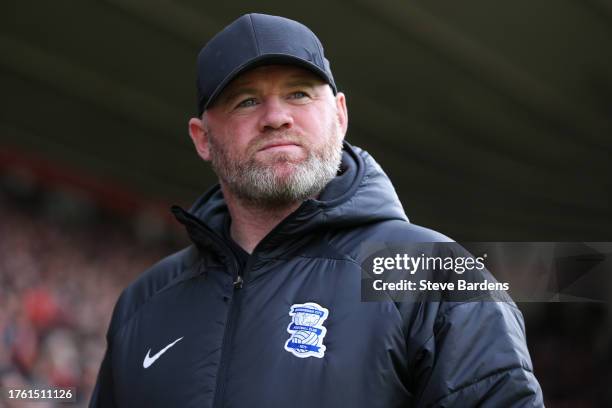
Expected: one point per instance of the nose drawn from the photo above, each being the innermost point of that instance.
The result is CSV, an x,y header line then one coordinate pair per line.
x,y
275,116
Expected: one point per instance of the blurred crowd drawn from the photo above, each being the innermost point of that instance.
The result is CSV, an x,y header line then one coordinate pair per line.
x,y
58,286
59,282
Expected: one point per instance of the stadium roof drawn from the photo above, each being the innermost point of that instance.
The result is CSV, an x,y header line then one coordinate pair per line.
x,y
493,119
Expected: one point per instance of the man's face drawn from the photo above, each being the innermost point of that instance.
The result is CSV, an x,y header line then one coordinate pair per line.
x,y
274,135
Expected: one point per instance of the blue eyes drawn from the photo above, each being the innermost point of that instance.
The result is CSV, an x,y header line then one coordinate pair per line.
x,y
249,102
246,103
298,95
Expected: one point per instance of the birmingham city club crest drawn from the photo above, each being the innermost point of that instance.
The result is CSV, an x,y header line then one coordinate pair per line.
x,y
306,330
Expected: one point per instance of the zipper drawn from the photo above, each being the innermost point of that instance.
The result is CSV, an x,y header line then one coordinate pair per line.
x,y
238,283
233,310
228,336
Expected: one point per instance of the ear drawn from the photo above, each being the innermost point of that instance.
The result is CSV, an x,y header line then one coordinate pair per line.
x,y
342,112
199,136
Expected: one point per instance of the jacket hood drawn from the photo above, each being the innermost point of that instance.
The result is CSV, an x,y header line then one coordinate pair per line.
x,y
360,194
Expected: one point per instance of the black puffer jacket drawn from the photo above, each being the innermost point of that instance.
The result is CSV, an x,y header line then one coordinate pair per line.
x,y
295,333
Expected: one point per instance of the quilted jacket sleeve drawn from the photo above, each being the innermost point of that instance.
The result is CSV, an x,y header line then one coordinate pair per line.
x,y
102,396
476,355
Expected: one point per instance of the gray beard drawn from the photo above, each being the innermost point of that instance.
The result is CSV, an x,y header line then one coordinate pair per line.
x,y
260,186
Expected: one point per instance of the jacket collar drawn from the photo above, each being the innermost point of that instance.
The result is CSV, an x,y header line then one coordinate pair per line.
x,y
361,194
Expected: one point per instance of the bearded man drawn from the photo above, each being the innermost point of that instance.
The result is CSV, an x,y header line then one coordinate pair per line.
x,y
264,309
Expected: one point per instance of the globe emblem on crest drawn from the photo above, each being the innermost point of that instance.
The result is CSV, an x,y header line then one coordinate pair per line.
x,y
307,330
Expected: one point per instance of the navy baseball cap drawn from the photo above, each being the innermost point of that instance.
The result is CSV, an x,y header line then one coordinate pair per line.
x,y
253,40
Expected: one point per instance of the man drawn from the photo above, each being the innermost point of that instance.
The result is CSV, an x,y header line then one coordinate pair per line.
x,y
264,310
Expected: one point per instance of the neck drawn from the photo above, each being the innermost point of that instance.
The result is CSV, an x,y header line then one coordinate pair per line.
x,y
250,224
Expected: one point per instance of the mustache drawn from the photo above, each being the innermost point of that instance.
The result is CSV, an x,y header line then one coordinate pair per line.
x,y
276,137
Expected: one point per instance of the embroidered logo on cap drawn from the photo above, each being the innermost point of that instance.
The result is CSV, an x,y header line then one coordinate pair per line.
x,y
307,330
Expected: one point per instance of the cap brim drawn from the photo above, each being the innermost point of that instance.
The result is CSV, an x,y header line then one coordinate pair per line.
x,y
268,59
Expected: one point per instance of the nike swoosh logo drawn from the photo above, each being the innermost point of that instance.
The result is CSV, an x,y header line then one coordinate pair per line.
x,y
148,360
